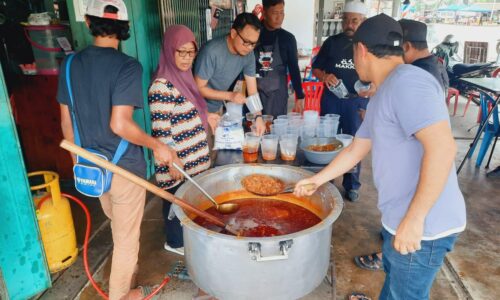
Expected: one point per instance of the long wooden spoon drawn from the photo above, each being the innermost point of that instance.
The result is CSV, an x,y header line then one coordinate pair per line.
x,y
71,147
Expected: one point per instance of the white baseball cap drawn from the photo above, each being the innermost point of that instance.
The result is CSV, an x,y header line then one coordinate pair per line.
x,y
356,6
96,8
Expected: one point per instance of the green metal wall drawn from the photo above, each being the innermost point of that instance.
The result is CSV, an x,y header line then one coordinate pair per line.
x,y
22,259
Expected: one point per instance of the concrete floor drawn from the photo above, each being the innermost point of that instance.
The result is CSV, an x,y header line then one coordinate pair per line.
x,y
472,270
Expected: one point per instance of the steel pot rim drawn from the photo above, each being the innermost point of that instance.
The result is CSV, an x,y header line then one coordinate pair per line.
x,y
186,221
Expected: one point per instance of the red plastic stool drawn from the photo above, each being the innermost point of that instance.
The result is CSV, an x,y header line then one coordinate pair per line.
x,y
452,92
471,95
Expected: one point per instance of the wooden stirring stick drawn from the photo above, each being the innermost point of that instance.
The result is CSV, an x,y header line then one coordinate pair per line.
x,y
71,147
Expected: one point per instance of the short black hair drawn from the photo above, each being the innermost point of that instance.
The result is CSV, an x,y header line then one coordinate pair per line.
x,y
419,45
245,19
382,51
269,3
107,27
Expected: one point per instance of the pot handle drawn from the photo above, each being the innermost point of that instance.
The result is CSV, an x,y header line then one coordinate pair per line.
x,y
255,253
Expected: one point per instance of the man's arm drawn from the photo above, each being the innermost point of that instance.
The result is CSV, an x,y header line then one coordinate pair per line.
x,y
67,127
123,125
251,83
345,161
439,154
209,93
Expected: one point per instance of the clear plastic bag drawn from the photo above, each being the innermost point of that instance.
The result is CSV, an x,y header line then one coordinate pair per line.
x,y
229,134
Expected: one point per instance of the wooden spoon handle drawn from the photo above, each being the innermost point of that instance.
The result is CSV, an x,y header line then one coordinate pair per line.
x,y
139,181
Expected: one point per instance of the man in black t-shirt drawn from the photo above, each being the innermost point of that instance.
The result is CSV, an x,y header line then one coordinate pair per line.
x,y
333,63
275,54
107,87
416,51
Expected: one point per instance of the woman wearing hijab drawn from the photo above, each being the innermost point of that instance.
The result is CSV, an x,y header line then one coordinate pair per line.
x,y
179,119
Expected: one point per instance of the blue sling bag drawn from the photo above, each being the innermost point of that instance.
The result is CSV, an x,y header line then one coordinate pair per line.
x,y
90,179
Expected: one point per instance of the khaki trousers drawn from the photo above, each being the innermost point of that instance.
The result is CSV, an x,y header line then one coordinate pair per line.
x,y
124,206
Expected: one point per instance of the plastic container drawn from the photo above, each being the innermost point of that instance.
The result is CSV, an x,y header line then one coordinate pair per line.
x,y
360,86
46,50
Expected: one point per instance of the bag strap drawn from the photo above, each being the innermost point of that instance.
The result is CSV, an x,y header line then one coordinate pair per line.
x,y
122,147
70,92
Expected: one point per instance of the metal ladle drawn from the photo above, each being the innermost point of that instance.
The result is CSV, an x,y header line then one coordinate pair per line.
x,y
224,208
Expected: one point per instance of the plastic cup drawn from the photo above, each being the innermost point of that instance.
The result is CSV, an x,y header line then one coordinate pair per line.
x,y
288,147
294,115
282,117
327,128
346,139
281,122
250,119
293,130
269,146
308,131
254,104
311,117
279,129
251,147
332,116
268,120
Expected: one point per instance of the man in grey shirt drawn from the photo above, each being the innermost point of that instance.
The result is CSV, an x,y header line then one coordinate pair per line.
x,y
407,129
223,59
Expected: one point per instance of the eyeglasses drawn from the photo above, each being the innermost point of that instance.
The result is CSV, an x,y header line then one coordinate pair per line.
x,y
183,53
246,42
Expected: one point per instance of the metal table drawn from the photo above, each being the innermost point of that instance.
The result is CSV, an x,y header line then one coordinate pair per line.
x,y
484,85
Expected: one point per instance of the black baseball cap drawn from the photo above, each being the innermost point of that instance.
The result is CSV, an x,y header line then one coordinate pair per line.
x,y
380,30
413,31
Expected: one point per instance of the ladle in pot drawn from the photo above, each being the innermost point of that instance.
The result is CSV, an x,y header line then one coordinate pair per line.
x,y
289,188
224,208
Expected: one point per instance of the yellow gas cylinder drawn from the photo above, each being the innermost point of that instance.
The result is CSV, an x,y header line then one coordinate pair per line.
x,y
55,221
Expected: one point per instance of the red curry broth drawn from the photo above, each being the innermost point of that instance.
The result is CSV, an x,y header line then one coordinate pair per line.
x,y
263,217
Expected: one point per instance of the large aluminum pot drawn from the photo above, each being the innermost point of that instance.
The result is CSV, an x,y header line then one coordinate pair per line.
x,y
281,267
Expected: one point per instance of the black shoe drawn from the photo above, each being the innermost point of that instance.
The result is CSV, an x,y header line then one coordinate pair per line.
x,y
352,195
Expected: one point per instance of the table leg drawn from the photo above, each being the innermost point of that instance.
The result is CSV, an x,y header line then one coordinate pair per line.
x,y
478,135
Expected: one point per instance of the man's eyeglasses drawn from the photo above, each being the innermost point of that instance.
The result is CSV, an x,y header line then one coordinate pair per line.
x,y
246,42
183,53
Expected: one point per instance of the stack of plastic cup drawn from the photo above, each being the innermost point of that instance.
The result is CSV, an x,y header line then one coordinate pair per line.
x,y
269,146
327,128
311,117
280,126
308,131
288,146
335,125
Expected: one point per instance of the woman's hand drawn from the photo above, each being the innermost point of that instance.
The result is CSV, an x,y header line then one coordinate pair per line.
x,y
176,174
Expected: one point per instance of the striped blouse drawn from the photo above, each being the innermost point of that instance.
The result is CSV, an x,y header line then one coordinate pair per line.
x,y
177,123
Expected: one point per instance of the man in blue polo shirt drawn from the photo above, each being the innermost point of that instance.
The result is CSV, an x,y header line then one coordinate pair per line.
x,y
407,130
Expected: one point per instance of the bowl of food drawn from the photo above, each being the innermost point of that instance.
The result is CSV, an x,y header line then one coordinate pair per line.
x,y
321,151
